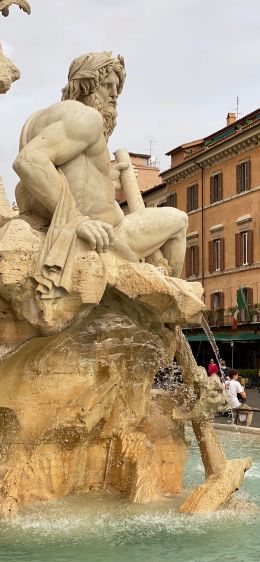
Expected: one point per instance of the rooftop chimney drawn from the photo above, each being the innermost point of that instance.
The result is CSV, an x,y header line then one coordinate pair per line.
x,y
231,118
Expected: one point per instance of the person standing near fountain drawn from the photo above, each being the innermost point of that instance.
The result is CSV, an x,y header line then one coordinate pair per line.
x,y
233,390
225,370
212,368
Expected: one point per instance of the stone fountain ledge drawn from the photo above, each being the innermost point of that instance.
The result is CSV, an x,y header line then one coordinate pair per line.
x,y
237,428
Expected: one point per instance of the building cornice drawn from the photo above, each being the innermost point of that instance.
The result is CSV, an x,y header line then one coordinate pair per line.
x,y
214,155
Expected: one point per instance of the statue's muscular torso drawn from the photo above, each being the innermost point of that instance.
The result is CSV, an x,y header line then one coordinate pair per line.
x,y
87,172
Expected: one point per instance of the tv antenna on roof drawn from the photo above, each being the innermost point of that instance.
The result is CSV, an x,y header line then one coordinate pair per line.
x,y
151,142
153,162
237,108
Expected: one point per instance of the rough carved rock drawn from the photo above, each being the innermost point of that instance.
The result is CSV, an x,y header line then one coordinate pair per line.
x,y
171,300
8,73
218,488
89,330
90,374
146,468
5,5
82,393
6,211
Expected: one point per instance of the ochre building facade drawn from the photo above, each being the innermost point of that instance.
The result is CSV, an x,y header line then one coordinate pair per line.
x,y
216,180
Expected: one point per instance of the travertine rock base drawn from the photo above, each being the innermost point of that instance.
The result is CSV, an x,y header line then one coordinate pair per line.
x,y
218,488
8,72
146,468
76,408
76,413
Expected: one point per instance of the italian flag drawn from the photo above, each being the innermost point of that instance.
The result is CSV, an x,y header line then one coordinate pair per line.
x,y
241,305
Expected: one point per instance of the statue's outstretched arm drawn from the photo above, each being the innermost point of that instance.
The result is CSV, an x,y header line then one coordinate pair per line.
x,y
129,182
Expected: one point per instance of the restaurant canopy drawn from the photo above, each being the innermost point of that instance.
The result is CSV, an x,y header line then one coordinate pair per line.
x,y
228,338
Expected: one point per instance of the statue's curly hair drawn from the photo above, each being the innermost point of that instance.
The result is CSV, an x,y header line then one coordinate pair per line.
x,y
79,87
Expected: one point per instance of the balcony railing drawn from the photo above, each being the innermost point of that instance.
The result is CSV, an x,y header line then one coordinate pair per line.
x,y
224,317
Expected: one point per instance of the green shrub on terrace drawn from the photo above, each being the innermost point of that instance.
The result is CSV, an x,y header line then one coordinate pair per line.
x,y
247,373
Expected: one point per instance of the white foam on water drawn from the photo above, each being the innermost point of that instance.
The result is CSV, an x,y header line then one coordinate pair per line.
x,y
253,472
123,523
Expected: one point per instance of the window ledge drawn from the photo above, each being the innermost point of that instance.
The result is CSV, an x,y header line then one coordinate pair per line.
x,y
193,234
243,219
216,227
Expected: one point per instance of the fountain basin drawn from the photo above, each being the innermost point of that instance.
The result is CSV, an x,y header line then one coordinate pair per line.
x,y
105,527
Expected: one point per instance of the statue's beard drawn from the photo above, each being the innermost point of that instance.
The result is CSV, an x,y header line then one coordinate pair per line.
x,y
108,112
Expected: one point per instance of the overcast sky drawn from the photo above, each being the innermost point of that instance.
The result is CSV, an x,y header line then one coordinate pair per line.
x,y
186,62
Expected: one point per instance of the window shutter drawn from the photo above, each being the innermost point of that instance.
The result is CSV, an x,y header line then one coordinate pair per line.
x,y
195,196
175,199
187,262
220,182
237,249
211,256
238,172
212,189
188,199
222,254
249,294
212,301
250,257
171,200
221,301
247,178
196,250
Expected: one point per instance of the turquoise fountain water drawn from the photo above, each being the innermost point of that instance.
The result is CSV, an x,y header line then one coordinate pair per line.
x,y
97,528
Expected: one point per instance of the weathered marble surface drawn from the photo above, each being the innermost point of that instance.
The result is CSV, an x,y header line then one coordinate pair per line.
x,y
82,398
20,245
5,5
8,71
218,488
92,306
67,179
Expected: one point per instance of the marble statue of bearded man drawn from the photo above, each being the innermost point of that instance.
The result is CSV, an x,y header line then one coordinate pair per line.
x,y
66,177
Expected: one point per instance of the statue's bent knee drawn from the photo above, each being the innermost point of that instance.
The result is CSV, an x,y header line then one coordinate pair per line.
x,y
181,217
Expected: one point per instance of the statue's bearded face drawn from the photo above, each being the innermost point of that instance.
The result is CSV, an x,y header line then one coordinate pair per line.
x,y
104,99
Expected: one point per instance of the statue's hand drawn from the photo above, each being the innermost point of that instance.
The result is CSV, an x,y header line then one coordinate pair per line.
x,y
115,173
98,234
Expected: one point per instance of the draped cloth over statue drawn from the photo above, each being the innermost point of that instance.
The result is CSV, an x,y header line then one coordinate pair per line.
x,y
55,265
54,268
